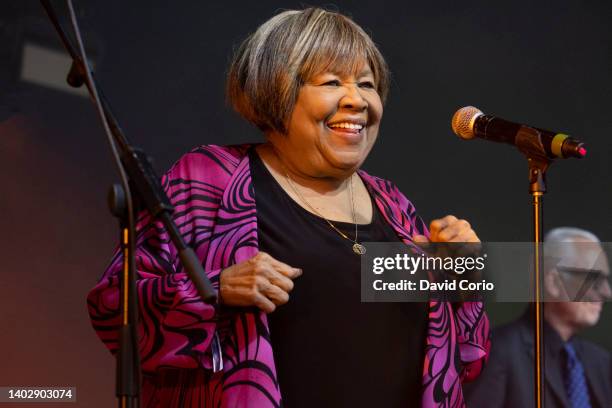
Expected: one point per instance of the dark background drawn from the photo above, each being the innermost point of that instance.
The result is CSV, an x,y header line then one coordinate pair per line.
x,y
162,66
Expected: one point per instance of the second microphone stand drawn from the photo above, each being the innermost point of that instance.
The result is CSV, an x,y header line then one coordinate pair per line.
x,y
141,189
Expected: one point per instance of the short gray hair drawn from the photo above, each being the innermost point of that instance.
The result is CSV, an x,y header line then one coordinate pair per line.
x,y
564,243
272,64
569,234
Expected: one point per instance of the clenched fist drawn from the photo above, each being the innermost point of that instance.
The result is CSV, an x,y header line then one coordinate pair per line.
x,y
448,229
260,281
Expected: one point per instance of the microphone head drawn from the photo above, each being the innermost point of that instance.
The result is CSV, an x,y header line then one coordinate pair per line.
x,y
463,122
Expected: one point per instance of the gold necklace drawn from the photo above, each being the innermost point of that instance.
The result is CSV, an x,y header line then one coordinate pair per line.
x,y
358,248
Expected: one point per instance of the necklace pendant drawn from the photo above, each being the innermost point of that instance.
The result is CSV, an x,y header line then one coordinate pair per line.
x,y
359,249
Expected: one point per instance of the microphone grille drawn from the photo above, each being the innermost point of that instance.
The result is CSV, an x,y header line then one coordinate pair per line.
x,y
463,121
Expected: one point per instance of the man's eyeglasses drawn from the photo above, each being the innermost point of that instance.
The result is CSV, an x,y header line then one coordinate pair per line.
x,y
585,284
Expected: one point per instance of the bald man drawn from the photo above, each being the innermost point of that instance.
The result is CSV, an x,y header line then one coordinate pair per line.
x,y
578,372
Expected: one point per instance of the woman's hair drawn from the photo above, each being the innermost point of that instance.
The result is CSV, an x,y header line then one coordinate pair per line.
x,y
271,65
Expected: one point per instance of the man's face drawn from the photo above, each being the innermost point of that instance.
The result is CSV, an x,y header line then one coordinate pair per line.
x,y
583,274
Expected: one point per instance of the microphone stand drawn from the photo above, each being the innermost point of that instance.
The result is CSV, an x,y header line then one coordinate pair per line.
x,y
140,189
529,142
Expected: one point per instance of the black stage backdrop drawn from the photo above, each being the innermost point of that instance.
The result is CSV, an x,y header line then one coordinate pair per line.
x,y
162,66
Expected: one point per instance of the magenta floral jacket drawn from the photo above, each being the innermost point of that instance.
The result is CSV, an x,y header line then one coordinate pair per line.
x,y
198,355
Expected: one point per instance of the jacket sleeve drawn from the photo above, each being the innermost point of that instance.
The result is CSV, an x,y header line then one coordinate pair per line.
x,y
175,326
492,388
472,325
471,321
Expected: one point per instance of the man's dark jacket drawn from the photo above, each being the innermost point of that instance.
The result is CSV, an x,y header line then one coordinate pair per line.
x,y
507,379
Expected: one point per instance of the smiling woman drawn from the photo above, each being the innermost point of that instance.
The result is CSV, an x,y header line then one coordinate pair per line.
x,y
298,206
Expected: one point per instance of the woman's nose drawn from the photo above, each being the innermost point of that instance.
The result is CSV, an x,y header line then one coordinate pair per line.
x,y
353,99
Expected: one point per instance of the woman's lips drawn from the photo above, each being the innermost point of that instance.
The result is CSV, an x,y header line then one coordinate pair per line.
x,y
351,135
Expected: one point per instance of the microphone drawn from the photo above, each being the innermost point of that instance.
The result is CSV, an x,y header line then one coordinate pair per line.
x,y
469,122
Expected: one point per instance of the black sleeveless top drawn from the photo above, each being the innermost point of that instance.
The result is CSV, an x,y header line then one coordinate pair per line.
x,y
330,349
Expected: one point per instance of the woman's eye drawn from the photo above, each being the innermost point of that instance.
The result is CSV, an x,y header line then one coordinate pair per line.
x,y
366,84
333,82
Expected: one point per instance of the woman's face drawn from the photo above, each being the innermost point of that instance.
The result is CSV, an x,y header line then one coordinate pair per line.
x,y
333,126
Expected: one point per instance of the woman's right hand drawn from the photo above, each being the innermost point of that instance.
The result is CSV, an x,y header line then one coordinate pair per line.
x,y
260,281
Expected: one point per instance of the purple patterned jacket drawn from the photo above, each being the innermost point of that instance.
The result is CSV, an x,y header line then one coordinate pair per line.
x,y
182,340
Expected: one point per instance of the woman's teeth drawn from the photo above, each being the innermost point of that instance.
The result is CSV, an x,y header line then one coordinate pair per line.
x,y
346,125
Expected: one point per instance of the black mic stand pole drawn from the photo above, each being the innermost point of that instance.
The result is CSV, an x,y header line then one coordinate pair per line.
x,y
528,141
143,187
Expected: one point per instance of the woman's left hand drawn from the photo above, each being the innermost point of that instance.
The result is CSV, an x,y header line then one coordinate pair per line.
x,y
448,229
